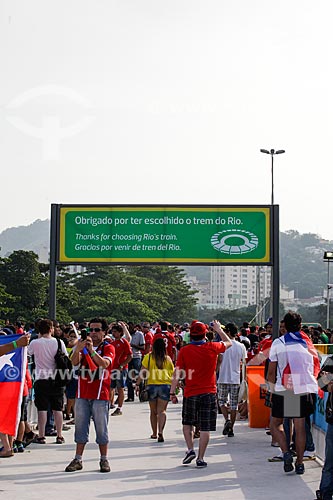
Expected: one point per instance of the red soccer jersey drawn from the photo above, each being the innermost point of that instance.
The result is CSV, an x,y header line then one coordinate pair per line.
x,y
169,340
99,388
148,342
199,363
122,351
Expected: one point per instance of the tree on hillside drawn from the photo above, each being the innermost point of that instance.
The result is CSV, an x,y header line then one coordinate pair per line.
x,y
5,300
20,274
134,293
67,295
302,263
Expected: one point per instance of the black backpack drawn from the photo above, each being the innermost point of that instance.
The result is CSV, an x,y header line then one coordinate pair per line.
x,y
63,367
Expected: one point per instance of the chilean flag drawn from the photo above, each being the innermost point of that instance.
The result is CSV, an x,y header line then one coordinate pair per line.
x,y
300,374
12,375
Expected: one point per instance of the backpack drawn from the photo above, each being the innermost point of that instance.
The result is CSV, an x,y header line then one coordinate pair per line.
x,y
63,367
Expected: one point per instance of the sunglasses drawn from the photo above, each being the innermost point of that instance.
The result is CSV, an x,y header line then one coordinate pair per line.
x,y
97,330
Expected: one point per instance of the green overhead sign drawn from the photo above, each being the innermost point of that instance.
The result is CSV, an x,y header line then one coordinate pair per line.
x,y
164,234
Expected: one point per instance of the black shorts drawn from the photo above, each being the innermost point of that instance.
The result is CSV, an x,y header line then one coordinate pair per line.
x,y
290,405
200,410
48,395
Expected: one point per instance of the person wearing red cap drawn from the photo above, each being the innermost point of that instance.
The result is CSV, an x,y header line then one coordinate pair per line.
x,y
196,364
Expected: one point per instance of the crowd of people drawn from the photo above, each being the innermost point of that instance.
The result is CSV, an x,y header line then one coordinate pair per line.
x,y
158,362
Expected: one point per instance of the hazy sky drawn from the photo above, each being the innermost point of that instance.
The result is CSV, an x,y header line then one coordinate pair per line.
x,y
166,101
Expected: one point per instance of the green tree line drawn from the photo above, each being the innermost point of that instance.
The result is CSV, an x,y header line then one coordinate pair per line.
x,y
131,293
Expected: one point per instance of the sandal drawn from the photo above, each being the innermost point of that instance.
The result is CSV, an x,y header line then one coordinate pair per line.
x,y
153,437
60,440
39,440
160,438
6,453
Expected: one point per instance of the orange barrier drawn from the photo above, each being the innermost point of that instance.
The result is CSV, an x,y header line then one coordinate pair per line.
x,y
258,413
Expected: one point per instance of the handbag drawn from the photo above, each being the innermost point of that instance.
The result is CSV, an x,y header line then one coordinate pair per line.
x,y
329,409
243,388
144,393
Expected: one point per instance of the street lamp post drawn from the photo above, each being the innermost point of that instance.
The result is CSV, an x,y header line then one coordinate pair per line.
x,y
328,257
275,271
272,152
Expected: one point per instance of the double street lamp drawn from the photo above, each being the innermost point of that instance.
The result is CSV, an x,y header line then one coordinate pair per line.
x,y
275,270
272,152
328,257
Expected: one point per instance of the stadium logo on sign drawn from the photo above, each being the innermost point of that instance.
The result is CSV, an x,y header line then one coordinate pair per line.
x,y
233,242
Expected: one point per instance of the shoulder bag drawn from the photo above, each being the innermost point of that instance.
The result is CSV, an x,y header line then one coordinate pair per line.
x,y
144,393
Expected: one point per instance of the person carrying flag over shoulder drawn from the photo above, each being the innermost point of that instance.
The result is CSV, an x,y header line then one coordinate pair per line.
x,y
12,374
292,377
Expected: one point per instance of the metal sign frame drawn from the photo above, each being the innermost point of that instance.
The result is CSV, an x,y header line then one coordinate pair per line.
x,y
57,236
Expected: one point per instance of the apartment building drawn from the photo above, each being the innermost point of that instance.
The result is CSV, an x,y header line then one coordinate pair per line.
x,y
239,286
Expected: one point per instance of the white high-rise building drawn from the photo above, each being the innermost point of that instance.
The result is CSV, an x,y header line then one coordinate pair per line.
x,y
239,286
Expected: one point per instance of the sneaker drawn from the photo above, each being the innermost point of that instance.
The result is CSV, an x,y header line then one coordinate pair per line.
x,y
20,448
65,428
74,465
116,412
112,407
231,433
14,448
104,465
226,427
201,463
288,462
129,400
189,456
299,468
309,454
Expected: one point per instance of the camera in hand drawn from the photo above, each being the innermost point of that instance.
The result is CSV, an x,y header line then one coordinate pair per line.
x,y
84,334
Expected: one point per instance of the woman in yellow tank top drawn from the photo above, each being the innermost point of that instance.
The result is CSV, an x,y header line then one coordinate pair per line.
x,y
157,369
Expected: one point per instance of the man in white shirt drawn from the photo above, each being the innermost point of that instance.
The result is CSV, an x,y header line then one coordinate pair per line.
x,y
228,383
47,392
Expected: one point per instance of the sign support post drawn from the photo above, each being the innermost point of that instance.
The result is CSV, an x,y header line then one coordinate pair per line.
x,y
276,272
53,262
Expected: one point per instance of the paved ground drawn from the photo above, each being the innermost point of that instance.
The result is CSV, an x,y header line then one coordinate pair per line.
x,y
237,467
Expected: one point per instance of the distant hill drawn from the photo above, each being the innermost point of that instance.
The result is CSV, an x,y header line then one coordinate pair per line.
x,y
34,237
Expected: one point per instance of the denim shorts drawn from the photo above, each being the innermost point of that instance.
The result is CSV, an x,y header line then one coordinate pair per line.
x,y
99,411
161,391
118,379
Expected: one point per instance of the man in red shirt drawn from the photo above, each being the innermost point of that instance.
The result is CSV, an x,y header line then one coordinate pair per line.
x,y
196,364
169,339
123,355
94,357
148,337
